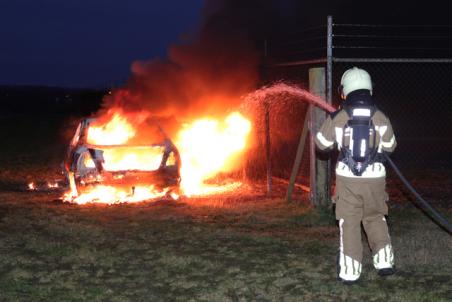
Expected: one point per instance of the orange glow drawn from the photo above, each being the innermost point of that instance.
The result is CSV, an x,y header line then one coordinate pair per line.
x,y
209,146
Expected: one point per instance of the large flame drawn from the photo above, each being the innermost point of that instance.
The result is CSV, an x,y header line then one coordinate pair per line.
x,y
207,146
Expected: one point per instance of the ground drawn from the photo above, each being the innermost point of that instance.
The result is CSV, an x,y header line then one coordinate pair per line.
x,y
243,246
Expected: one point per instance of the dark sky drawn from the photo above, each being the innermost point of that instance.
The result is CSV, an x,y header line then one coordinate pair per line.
x,y
86,42
92,43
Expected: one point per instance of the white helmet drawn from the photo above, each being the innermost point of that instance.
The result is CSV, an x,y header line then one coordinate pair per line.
x,y
353,79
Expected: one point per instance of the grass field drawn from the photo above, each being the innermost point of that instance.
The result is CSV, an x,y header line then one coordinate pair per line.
x,y
240,247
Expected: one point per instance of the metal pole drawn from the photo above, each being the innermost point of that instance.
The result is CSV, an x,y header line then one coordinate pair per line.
x,y
329,99
267,125
268,147
329,61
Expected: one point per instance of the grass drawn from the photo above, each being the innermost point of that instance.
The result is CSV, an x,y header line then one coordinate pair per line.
x,y
182,252
229,248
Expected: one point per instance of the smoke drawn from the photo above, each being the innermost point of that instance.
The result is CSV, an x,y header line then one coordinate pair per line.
x,y
205,75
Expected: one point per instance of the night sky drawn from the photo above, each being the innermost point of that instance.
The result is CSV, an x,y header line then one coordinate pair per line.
x,y
89,43
92,43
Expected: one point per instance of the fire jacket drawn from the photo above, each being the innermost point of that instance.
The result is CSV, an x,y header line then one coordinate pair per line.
x,y
332,133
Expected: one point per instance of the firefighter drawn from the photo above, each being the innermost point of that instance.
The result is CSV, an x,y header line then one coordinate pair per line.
x,y
361,133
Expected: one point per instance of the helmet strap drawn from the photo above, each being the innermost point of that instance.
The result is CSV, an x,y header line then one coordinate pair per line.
x,y
340,90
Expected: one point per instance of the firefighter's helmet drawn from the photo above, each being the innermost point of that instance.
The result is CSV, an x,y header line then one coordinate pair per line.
x,y
353,79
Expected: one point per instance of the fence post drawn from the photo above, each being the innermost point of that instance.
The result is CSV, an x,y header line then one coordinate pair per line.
x,y
320,194
299,155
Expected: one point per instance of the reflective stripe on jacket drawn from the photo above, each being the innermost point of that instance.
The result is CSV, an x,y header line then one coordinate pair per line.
x,y
331,133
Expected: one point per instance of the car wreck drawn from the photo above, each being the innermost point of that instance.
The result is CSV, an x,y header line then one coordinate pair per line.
x,y
126,167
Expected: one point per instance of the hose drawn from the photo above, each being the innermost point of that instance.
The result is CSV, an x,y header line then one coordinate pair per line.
x,y
436,216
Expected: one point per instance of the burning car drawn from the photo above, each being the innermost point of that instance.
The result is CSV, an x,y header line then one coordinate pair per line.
x,y
118,170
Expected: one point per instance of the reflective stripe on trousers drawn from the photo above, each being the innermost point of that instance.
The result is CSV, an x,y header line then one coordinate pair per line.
x,y
349,269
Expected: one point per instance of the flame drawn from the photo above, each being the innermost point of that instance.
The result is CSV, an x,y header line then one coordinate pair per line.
x,y
117,131
207,147
31,186
133,158
112,195
53,185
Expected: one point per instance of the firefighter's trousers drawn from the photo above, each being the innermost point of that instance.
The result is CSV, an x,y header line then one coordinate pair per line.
x,y
362,201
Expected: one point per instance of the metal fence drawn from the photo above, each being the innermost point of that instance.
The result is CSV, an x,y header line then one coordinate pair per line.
x,y
411,69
